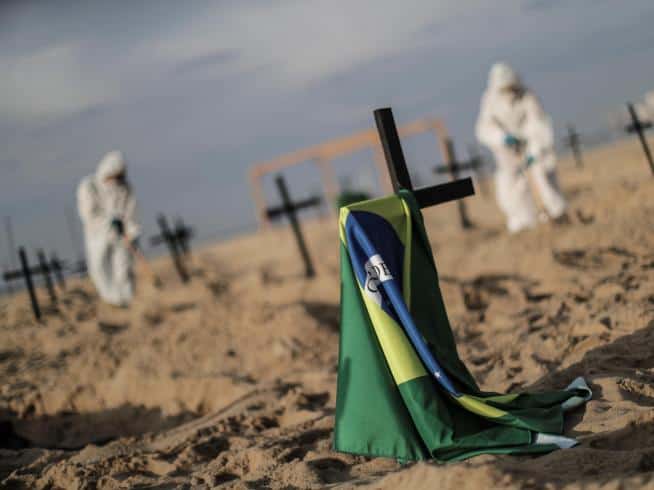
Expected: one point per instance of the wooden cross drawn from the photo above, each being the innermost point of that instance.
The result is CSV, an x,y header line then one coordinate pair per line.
x,y
25,272
290,208
79,267
44,270
184,234
638,126
399,174
482,177
453,167
172,242
57,267
572,141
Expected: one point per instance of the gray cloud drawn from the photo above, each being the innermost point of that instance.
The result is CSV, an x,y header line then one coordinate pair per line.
x,y
207,60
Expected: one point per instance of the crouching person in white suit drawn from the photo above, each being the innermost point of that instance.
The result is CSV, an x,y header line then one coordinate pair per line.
x,y
513,125
107,208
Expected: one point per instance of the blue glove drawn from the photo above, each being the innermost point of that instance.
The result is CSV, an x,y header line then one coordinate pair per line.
x,y
118,226
512,141
530,161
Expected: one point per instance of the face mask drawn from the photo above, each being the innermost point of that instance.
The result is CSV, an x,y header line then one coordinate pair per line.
x,y
118,180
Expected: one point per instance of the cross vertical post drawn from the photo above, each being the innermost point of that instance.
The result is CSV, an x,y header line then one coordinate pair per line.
x,y
27,275
183,235
44,269
289,210
454,166
574,144
639,127
477,162
390,141
399,174
58,270
171,242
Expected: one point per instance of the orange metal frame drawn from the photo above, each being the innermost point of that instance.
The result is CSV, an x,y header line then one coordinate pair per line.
x,y
323,154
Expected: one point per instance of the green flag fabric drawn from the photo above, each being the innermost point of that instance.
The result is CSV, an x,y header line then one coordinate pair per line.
x,y
402,390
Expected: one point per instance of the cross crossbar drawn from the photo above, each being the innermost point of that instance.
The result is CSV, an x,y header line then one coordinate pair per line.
x,y
472,164
54,266
399,173
181,233
277,211
184,234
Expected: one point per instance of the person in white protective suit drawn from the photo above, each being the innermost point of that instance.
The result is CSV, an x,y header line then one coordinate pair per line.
x,y
107,209
513,125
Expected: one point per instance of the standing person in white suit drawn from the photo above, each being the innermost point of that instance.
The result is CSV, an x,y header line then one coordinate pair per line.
x,y
513,125
108,211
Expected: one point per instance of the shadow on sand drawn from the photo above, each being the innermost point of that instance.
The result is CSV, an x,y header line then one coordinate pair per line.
x,y
73,430
601,456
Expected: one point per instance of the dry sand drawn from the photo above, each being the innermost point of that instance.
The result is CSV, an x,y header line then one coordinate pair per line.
x,y
230,382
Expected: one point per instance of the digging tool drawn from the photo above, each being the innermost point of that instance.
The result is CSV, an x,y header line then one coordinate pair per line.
x,y
138,255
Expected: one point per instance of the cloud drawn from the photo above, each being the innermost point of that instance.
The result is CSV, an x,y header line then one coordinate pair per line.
x,y
287,44
209,60
49,83
301,42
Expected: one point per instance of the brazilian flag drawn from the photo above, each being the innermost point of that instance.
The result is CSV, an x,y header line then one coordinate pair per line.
x,y
402,390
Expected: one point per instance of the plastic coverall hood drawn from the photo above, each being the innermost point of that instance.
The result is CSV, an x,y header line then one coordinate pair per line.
x,y
502,76
113,163
109,261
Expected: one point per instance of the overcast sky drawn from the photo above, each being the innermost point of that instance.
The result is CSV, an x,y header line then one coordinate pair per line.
x,y
195,92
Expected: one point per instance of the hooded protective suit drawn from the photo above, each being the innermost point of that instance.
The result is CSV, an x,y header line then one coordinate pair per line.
x,y
106,206
513,125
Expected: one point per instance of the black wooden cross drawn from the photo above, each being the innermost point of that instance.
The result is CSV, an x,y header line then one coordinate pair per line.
x,y
638,126
399,174
57,267
453,167
44,270
290,208
573,142
482,181
25,272
172,242
184,234
79,267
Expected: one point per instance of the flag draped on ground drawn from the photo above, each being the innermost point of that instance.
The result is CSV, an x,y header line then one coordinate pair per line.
x,y
402,391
